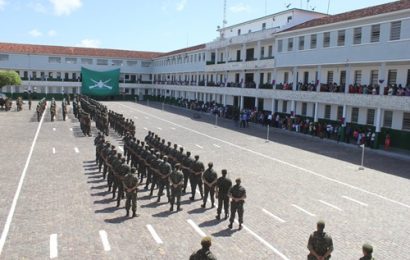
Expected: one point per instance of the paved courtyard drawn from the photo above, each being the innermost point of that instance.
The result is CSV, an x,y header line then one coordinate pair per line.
x,y
54,203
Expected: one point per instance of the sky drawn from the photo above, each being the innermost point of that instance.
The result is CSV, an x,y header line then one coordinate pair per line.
x,y
143,25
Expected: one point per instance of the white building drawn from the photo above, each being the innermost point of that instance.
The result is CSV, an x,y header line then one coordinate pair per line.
x,y
293,62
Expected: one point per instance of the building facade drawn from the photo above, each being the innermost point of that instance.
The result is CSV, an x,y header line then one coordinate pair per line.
x,y
352,68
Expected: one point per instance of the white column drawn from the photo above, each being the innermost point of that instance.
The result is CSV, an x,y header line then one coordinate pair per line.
x,y
242,79
319,78
243,52
316,111
224,99
382,76
256,103
241,103
226,54
273,106
258,50
216,56
293,107
378,119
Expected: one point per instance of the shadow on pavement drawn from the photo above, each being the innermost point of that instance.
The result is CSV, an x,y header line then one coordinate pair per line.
x,y
212,222
107,210
164,214
225,232
116,220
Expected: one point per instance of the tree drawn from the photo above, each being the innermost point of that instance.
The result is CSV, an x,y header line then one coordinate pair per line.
x,y
9,78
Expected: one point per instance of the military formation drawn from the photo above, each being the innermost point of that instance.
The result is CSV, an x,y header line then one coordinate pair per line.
x,y
158,165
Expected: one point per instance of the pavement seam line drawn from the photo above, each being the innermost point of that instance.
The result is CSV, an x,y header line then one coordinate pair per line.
x,y
19,187
104,240
303,210
358,202
263,241
278,160
330,205
53,246
154,234
273,216
196,228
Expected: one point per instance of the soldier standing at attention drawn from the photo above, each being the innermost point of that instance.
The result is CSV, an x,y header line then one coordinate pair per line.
x,y
209,178
367,252
165,170
223,185
130,186
237,193
176,179
29,103
204,253
186,169
320,244
196,180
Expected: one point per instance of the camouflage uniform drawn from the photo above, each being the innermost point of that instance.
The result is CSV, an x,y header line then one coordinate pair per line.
x,y
236,193
130,183
319,243
209,178
223,185
176,180
165,170
196,180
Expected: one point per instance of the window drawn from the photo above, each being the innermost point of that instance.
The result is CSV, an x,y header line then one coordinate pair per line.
x,y
86,61
341,36
132,63
329,77
357,35
117,62
304,109
54,60
375,33
284,106
374,77
339,112
263,26
313,41
408,78
406,121
262,51
239,31
395,31
343,78
286,77
290,44
289,19
102,62
326,39
357,77
388,118
301,43
328,111
355,115
280,45
71,60
4,57
270,55
370,116
392,77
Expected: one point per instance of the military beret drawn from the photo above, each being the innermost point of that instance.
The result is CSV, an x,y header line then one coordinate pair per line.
x,y
224,171
238,180
142,143
196,156
188,153
206,241
175,145
367,248
181,148
210,164
169,143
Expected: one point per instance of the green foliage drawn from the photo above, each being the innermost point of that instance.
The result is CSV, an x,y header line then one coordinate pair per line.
x,y
9,78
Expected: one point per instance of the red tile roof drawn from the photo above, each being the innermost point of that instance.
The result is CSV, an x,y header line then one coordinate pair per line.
x,y
356,14
192,48
75,51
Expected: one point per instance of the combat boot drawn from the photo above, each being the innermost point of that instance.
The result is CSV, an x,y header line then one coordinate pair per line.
x,y
230,226
226,216
172,208
134,214
128,213
218,217
240,226
118,203
179,208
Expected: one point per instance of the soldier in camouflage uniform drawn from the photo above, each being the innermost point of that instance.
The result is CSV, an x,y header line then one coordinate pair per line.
x,y
186,169
115,169
149,161
110,159
223,185
204,253
165,170
155,164
237,193
130,184
176,180
173,155
209,179
196,180
320,244
367,252
123,170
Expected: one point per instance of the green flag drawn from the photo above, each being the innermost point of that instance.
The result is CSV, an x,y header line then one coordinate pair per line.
x,y
100,83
